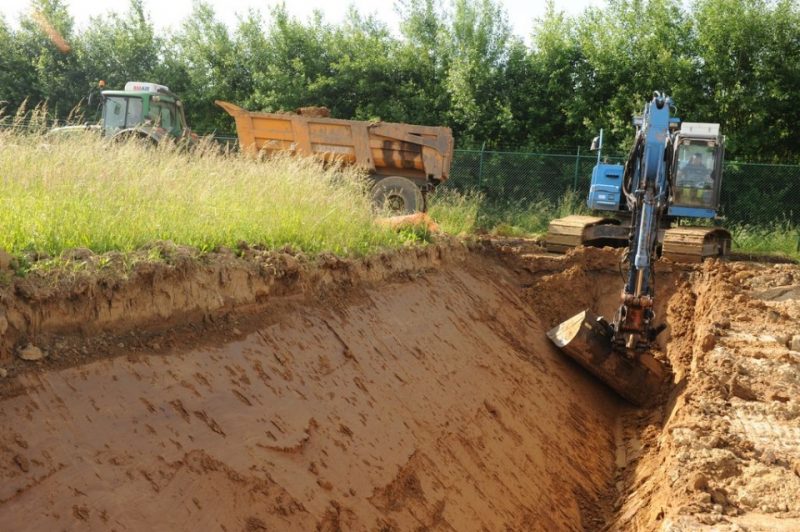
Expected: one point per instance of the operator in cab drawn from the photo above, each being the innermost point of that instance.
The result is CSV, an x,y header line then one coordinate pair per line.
x,y
695,169
694,178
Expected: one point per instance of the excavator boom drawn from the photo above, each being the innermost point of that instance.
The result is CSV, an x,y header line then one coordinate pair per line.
x,y
618,352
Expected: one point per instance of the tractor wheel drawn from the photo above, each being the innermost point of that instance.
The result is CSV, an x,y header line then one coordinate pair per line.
x,y
397,195
136,137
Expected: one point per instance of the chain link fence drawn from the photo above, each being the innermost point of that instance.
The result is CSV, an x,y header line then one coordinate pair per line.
x,y
753,194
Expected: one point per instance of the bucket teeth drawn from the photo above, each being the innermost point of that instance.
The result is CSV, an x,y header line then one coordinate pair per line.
x,y
586,338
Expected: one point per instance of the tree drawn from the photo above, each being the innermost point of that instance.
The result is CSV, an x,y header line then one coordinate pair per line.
x,y
16,76
204,66
477,46
558,68
121,48
423,56
51,68
294,57
750,53
630,49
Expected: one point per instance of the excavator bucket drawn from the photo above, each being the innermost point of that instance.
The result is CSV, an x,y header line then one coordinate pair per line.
x,y
587,340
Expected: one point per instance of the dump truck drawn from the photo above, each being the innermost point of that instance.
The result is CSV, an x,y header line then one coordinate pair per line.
x,y
405,161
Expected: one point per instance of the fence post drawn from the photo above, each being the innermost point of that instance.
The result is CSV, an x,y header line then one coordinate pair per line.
x,y
480,167
577,168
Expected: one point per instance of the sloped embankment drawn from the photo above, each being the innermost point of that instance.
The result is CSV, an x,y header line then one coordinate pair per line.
x,y
426,396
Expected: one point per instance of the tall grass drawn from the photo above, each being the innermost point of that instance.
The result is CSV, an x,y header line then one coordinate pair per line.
x,y
529,218
83,191
469,212
779,238
455,212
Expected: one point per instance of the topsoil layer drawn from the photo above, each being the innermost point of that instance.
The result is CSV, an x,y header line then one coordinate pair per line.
x,y
414,390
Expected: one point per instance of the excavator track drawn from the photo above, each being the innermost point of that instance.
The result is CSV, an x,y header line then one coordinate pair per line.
x,y
693,244
566,233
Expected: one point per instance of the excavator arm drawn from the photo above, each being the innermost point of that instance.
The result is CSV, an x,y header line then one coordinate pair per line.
x,y
647,174
618,351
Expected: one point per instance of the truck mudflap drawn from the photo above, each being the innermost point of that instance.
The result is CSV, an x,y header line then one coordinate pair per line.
x,y
587,339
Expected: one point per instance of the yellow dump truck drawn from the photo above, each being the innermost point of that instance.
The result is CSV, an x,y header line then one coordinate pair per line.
x,y
406,161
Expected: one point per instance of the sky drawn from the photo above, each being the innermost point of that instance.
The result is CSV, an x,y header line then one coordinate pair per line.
x,y
169,13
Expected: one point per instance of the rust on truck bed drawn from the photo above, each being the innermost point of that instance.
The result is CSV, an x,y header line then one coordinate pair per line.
x,y
420,153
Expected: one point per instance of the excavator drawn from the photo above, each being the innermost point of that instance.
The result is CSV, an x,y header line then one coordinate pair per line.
x,y
673,172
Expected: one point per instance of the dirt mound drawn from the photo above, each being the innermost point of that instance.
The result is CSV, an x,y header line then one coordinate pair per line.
x,y
314,112
724,451
412,390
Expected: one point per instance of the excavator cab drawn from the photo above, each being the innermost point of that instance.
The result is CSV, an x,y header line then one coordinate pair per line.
x,y
696,176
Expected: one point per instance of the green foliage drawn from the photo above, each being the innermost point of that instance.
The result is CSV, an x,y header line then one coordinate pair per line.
x,y
455,212
776,238
207,66
456,63
47,61
528,218
118,48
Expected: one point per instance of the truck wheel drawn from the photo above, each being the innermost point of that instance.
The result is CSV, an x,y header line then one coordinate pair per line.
x,y
397,195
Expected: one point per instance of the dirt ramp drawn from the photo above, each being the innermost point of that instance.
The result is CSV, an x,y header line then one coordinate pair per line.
x,y
436,403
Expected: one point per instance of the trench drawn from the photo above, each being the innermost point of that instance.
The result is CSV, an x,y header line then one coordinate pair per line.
x,y
430,402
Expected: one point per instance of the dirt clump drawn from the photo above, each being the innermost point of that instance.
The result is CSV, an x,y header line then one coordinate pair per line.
x,y
314,112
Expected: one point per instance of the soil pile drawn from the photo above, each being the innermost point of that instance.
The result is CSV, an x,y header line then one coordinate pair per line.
x,y
727,455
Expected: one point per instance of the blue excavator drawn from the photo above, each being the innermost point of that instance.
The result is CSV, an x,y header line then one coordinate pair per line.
x,y
673,172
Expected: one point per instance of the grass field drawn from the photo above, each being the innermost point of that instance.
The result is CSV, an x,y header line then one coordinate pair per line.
x,y
469,213
83,192
780,238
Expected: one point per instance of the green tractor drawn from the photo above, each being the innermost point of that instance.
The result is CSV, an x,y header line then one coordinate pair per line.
x,y
143,111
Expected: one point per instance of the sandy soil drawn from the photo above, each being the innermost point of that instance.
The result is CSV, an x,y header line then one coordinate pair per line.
x,y
411,391
727,454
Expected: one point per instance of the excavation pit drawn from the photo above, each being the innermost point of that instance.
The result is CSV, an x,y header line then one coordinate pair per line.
x,y
411,391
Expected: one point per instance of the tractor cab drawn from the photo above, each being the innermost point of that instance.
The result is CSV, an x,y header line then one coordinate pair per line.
x,y
141,110
696,176
146,106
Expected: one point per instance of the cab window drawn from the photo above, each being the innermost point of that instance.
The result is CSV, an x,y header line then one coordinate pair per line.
x,y
162,115
120,112
694,177
134,115
115,109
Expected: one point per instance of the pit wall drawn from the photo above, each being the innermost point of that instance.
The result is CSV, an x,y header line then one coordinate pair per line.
x,y
429,400
721,452
718,449
168,286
